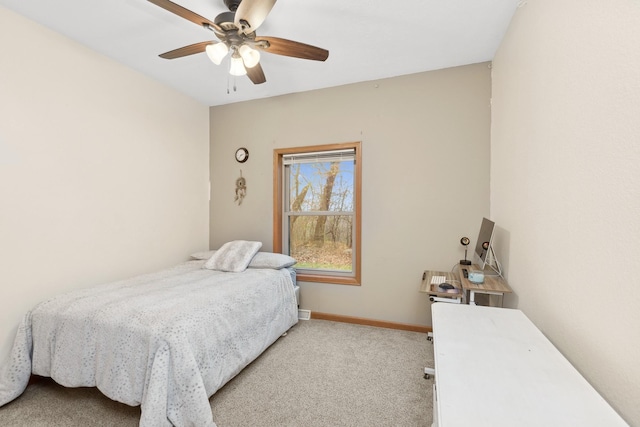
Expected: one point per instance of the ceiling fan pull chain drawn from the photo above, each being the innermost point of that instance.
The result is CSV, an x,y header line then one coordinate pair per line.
x,y
228,77
234,80
235,88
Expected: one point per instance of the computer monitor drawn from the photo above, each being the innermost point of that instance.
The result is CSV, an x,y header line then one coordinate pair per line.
x,y
483,244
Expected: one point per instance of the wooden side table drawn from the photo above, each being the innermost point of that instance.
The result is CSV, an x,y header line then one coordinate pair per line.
x,y
492,285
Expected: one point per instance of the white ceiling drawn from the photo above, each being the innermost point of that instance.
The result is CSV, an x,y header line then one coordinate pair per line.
x,y
366,39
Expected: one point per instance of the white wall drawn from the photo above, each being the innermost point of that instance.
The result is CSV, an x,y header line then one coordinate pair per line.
x,y
565,174
103,172
425,147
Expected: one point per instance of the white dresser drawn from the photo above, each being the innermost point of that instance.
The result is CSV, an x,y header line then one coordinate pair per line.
x,y
495,368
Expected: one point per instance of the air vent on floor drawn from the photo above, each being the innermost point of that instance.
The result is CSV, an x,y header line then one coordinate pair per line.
x,y
304,314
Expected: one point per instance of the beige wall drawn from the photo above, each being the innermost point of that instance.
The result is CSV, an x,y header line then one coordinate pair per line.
x,y
103,172
425,145
565,155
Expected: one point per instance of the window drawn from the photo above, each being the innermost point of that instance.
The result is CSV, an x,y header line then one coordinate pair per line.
x,y
317,210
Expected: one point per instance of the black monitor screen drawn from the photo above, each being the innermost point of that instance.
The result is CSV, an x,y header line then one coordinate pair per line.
x,y
484,240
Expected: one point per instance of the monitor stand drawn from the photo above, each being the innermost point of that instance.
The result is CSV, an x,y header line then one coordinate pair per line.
x,y
491,265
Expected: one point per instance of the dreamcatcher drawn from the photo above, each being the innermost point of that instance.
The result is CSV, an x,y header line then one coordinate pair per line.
x,y
241,189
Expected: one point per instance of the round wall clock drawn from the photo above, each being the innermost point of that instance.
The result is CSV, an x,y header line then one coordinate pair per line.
x,y
242,155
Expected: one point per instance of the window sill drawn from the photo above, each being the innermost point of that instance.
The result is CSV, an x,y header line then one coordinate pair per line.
x,y
321,278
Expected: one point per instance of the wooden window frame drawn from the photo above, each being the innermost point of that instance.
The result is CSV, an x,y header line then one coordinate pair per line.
x,y
278,198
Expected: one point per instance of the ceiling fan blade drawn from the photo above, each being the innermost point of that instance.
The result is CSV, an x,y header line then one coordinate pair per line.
x,y
256,75
290,48
252,13
186,14
186,50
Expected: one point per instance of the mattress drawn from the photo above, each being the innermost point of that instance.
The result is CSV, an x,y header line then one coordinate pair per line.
x,y
166,341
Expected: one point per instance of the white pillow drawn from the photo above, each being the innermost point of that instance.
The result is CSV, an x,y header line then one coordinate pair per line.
x,y
260,260
233,256
271,260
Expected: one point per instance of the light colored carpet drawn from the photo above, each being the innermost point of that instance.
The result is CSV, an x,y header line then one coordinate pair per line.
x,y
321,373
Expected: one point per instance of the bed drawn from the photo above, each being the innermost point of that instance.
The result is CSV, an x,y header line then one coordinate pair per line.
x,y
166,341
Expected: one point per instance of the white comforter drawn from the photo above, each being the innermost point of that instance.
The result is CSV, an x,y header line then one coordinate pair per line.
x,y
166,341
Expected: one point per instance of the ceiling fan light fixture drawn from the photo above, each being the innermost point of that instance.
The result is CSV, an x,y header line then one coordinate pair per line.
x,y
237,67
250,56
216,52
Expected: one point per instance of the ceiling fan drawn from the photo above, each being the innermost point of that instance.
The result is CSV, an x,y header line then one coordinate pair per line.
x,y
236,31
